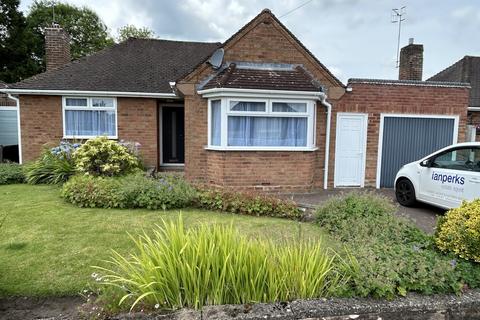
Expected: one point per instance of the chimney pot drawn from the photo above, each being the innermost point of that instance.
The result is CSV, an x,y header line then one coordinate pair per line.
x,y
410,40
411,62
57,47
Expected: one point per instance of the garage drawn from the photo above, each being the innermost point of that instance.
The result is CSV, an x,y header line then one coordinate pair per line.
x,y
406,138
8,134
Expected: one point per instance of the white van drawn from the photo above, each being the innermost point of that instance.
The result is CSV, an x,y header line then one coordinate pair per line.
x,y
444,179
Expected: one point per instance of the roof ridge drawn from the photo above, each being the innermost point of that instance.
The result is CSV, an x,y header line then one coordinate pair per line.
x,y
410,82
169,40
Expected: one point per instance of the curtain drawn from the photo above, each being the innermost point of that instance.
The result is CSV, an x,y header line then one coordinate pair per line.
x,y
267,131
90,123
289,107
216,120
247,106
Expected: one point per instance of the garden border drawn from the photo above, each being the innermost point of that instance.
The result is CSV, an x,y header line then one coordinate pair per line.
x,y
414,307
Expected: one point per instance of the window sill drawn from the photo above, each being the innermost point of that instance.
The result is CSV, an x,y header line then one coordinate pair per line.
x,y
88,137
297,149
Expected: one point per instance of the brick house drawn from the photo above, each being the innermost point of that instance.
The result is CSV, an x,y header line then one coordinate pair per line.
x,y
466,70
258,111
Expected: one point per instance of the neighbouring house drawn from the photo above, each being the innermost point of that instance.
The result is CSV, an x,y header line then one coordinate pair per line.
x,y
466,70
258,111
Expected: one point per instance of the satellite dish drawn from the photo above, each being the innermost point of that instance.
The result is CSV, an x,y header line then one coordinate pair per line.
x,y
216,59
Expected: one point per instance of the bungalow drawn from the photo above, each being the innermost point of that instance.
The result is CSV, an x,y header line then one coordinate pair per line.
x,y
258,111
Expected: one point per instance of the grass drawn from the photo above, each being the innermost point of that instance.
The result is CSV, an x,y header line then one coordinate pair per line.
x,y
47,247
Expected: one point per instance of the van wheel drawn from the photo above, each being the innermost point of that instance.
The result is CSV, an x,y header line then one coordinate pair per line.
x,y
405,193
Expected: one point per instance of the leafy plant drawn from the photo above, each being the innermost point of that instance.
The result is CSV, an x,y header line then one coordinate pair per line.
x,y
394,257
11,173
130,191
247,203
459,231
103,157
178,268
54,166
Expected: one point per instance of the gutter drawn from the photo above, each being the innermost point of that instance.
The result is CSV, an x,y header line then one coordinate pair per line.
x,y
92,93
323,100
473,108
19,129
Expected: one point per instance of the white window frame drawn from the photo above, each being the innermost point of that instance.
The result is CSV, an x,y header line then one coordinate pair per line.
x,y
89,107
226,112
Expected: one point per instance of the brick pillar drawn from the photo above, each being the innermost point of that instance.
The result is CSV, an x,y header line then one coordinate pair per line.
x,y
411,62
57,47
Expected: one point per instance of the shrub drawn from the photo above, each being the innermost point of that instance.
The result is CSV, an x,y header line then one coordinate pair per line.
x,y
54,166
247,203
459,231
394,257
178,268
131,191
104,157
94,192
11,173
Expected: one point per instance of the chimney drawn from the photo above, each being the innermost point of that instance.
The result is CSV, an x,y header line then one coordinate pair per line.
x,y
57,47
411,62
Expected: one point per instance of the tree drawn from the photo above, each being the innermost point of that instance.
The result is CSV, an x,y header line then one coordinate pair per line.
x,y
130,31
16,57
87,31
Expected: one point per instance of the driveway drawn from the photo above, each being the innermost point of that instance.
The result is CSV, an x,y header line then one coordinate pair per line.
x,y
424,216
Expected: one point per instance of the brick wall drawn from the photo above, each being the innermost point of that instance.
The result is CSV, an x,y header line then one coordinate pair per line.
x,y
137,121
376,99
41,123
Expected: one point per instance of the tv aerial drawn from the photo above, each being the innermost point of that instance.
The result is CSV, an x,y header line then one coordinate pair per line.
x,y
398,16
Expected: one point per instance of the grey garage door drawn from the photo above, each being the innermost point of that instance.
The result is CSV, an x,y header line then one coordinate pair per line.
x,y
409,139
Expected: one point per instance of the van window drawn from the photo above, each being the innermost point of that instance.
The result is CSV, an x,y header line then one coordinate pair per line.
x,y
464,159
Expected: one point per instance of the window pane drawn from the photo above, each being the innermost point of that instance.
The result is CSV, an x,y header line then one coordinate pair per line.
x,y
289,107
90,123
76,102
267,131
102,102
247,106
216,122
460,159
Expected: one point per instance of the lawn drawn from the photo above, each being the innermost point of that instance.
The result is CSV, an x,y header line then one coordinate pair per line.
x,y
47,247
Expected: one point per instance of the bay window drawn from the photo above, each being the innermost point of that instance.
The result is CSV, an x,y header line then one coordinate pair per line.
x,y
86,117
261,124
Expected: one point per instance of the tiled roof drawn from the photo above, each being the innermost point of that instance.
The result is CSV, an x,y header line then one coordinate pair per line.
x,y
465,70
291,78
411,83
136,65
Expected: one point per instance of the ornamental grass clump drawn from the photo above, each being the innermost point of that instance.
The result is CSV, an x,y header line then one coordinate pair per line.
x,y
458,231
103,157
55,165
213,264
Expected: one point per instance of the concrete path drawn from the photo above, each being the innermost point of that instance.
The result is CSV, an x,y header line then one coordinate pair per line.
x,y
424,216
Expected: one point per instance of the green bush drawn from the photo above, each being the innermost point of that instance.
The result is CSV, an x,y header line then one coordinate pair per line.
x,y
214,264
130,191
11,173
103,157
54,166
458,231
255,204
394,257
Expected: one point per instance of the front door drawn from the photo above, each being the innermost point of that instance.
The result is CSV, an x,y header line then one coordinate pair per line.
x,y
173,132
350,150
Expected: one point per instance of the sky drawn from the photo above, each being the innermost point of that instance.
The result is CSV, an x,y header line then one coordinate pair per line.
x,y
353,38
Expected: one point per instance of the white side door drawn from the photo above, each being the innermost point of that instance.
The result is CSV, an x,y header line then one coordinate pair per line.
x,y
452,177
350,149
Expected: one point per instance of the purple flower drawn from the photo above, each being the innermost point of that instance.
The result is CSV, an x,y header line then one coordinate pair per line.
x,y
453,263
